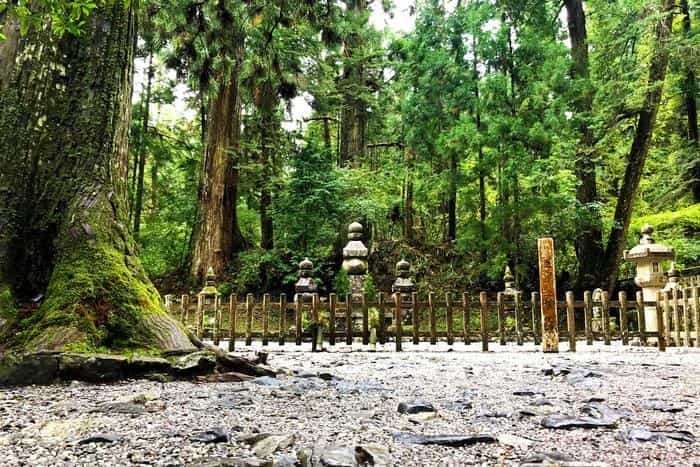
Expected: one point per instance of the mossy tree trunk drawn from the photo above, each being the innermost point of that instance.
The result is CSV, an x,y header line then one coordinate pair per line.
x,y
63,162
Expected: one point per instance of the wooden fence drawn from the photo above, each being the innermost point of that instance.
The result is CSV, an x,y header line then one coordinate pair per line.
x,y
465,318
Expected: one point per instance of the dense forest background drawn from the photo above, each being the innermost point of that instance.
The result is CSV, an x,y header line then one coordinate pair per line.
x,y
260,129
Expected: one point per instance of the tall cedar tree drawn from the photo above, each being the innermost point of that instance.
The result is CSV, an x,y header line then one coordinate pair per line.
x,y
63,156
640,146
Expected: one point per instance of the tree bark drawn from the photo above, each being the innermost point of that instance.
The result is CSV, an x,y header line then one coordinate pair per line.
x,y
138,199
8,47
589,243
691,107
452,200
354,115
408,207
217,235
64,132
640,147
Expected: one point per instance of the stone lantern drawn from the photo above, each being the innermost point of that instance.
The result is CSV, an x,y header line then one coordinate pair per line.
x,y
305,286
509,281
208,303
404,285
355,256
674,278
647,257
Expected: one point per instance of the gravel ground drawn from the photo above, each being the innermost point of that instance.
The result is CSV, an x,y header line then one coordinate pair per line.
x,y
354,403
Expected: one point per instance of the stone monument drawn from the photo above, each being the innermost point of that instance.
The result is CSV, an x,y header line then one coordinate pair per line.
x,y
647,257
355,256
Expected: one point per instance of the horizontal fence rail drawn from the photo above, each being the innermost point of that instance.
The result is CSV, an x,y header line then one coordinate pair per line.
x,y
466,318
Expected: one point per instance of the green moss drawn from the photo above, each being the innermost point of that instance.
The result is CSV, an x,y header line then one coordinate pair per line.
x,y
8,310
94,292
679,229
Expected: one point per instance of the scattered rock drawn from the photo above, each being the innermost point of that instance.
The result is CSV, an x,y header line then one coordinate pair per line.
x,y
213,435
423,417
602,411
373,454
101,438
662,406
565,422
643,434
454,441
527,392
195,363
214,461
267,381
266,444
415,406
517,442
337,456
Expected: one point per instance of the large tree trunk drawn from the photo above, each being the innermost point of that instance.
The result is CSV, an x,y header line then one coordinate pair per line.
x,y
640,147
354,114
9,26
217,234
691,107
408,226
452,200
141,150
589,243
64,135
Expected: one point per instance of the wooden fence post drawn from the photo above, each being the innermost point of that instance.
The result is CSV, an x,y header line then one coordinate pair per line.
x,y
283,319
298,299
696,310
466,318
199,316
433,324
500,312
448,316
624,326
518,318
365,321
667,319
641,319
548,295
686,317
381,312
535,310
332,301
217,319
265,317
415,318
316,322
605,310
571,321
661,309
484,302
348,319
397,320
232,305
588,316
249,304
676,319
184,302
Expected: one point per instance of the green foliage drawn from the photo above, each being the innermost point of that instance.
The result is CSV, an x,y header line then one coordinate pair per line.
x,y
341,284
679,229
370,288
62,16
